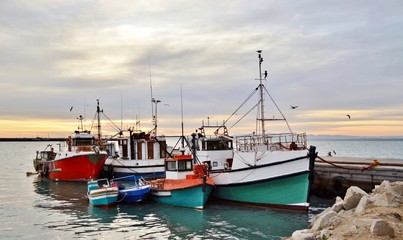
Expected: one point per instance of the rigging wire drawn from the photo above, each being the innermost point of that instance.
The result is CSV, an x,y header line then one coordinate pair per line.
x,y
275,104
244,102
246,114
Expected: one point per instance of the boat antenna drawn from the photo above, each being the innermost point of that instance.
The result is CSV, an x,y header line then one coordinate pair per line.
x,y
121,110
183,134
261,90
85,113
151,84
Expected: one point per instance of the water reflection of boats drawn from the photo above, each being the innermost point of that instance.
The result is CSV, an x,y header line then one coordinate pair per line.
x,y
155,221
60,194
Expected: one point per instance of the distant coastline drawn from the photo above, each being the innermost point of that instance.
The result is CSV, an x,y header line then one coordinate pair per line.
x,y
37,139
310,138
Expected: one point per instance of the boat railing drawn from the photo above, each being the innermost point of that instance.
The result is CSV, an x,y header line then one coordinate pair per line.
x,y
272,142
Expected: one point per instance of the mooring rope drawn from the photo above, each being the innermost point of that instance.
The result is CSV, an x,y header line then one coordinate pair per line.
x,y
374,163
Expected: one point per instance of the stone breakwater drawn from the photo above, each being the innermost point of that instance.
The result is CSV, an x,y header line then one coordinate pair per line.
x,y
377,215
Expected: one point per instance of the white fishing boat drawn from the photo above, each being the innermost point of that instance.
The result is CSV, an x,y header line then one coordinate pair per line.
x,y
139,154
135,152
263,169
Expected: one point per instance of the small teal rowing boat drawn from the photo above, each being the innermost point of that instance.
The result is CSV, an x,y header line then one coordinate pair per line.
x,y
101,193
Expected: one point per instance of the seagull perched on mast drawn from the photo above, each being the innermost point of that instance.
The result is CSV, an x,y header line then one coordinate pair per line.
x,y
293,107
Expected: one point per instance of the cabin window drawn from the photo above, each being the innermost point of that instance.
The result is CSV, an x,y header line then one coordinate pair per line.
x,y
218,145
184,165
171,166
83,142
215,164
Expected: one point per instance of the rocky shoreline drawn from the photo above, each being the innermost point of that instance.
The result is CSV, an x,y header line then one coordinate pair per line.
x,y
377,215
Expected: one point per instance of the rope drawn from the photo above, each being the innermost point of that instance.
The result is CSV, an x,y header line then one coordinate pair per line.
x,y
118,201
374,163
323,160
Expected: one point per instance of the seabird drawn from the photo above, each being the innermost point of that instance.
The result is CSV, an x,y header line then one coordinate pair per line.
x,y
293,107
349,117
71,108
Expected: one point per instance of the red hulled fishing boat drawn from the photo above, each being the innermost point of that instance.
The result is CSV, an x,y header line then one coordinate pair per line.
x,y
81,157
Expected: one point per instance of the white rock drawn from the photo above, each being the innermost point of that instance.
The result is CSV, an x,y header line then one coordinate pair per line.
x,y
362,205
385,199
303,235
353,197
338,206
324,220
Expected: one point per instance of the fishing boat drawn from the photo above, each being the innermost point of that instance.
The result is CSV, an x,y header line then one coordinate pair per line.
x,y
262,169
186,184
131,189
139,153
102,193
80,158
135,152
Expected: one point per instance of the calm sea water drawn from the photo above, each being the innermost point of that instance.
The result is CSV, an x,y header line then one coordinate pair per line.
x,y
367,148
32,208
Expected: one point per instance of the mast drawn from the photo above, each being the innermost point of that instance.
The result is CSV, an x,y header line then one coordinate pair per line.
x,y
99,121
261,92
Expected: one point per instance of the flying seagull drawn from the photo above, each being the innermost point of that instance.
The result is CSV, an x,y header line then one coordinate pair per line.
x,y
349,117
71,108
293,107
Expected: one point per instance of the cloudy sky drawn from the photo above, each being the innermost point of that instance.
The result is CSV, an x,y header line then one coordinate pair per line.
x,y
331,58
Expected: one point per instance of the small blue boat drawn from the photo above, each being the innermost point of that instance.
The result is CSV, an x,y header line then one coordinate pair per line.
x,y
131,190
101,193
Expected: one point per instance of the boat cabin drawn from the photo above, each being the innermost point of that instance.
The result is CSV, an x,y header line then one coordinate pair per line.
x,y
81,141
45,155
137,146
179,167
182,167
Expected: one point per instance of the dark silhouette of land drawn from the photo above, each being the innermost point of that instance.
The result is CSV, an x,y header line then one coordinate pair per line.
x,y
36,139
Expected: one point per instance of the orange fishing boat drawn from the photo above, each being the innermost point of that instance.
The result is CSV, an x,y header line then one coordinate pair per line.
x,y
186,184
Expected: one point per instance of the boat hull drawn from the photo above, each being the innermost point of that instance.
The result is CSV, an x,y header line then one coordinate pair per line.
x,y
147,169
288,192
279,184
80,167
134,194
193,197
103,197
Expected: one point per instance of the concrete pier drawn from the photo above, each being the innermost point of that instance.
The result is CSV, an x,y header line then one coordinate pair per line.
x,y
334,175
